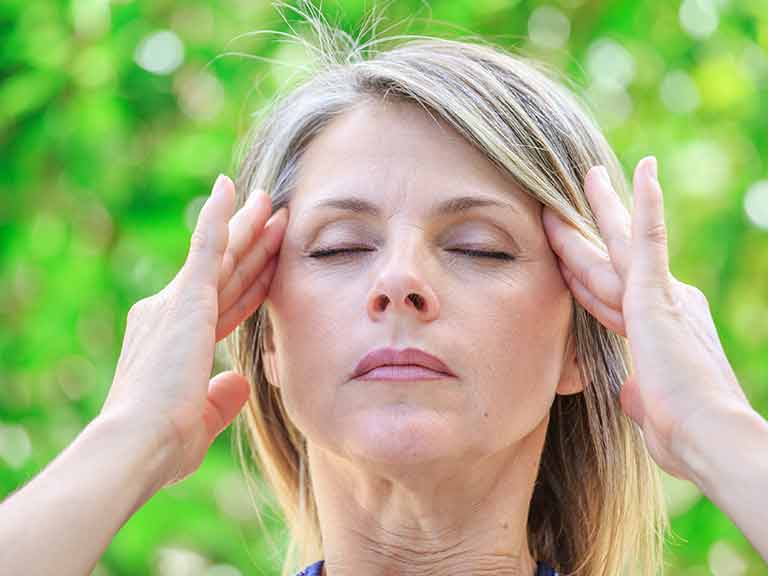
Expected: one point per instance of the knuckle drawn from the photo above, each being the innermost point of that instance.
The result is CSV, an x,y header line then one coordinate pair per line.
x,y
589,276
670,299
228,264
138,310
199,240
698,300
698,295
657,233
241,280
658,294
196,303
264,253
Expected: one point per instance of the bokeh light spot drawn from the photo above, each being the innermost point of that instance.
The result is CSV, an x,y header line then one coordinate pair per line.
x,y
161,52
756,204
15,445
699,18
548,27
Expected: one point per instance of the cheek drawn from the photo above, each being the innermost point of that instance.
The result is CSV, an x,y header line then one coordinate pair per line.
x,y
521,337
304,322
310,317
305,302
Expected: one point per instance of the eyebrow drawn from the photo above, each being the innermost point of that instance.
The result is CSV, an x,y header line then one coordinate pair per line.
x,y
443,208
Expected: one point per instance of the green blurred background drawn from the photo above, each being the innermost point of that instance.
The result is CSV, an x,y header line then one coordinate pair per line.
x,y
116,117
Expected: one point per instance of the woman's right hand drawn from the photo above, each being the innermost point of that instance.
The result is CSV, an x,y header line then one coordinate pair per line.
x,y
162,386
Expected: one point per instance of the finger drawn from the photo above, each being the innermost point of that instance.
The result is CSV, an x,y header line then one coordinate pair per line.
x,y
631,401
252,263
612,217
227,393
649,233
589,264
607,316
248,302
244,227
209,239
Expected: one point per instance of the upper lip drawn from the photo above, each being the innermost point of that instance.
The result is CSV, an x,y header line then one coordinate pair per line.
x,y
391,356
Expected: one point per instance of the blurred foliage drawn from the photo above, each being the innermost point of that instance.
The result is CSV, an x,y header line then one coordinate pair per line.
x,y
116,117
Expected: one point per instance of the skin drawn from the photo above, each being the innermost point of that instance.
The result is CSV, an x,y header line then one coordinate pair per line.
x,y
682,380
423,477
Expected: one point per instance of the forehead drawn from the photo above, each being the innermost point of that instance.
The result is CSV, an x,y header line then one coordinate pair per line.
x,y
395,154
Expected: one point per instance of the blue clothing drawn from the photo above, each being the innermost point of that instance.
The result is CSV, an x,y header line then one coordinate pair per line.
x,y
316,569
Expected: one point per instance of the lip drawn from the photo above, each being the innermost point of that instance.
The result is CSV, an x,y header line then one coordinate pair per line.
x,y
410,358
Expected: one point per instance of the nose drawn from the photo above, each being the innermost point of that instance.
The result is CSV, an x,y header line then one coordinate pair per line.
x,y
402,289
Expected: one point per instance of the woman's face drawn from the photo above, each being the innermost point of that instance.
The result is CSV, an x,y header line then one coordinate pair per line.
x,y
500,324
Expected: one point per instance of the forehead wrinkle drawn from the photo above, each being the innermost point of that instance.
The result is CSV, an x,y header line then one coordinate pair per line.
x,y
455,205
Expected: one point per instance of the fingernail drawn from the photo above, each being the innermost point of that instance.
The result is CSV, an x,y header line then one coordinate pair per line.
x,y
279,213
653,168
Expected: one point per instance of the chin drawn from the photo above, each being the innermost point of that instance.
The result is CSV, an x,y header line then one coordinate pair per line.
x,y
401,435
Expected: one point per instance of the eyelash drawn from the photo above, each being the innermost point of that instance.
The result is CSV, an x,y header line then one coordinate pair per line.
x,y
488,254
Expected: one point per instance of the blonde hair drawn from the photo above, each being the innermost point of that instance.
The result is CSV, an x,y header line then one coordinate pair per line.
x,y
598,506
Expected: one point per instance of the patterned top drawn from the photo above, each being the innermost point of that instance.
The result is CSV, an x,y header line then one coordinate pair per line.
x,y
316,569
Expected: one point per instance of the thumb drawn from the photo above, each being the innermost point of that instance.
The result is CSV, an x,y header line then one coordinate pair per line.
x,y
227,393
211,235
649,233
631,402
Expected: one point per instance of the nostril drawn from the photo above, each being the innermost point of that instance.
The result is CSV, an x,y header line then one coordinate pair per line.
x,y
417,300
383,301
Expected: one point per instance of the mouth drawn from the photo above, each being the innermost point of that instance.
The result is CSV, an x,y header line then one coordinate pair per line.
x,y
408,364
402,372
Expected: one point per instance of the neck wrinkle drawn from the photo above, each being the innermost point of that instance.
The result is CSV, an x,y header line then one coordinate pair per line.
x,y
452,520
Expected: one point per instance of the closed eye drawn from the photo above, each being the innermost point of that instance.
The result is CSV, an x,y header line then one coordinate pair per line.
x,y
484,253
331,252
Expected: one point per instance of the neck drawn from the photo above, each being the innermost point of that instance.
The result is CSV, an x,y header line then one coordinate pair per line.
x,y
442,518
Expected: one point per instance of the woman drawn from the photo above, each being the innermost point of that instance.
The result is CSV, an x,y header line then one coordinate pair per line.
x,y
421,389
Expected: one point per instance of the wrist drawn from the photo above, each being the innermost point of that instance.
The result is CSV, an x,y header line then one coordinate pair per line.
x,y
137,442
715,446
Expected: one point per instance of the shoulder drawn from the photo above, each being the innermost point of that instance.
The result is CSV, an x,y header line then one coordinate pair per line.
x,y
315,569
544,569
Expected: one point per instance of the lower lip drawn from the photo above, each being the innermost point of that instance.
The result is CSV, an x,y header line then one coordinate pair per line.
x,y
403,372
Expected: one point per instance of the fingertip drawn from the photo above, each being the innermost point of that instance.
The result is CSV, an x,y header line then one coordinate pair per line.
x,y
652,168
279,215
262,196
221,185
648,221
254,197
647,168
549,217
638,182
221,202
646,178
217,184
597,174
214,213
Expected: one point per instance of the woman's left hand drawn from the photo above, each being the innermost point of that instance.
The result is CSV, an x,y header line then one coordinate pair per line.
x,y
681,377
